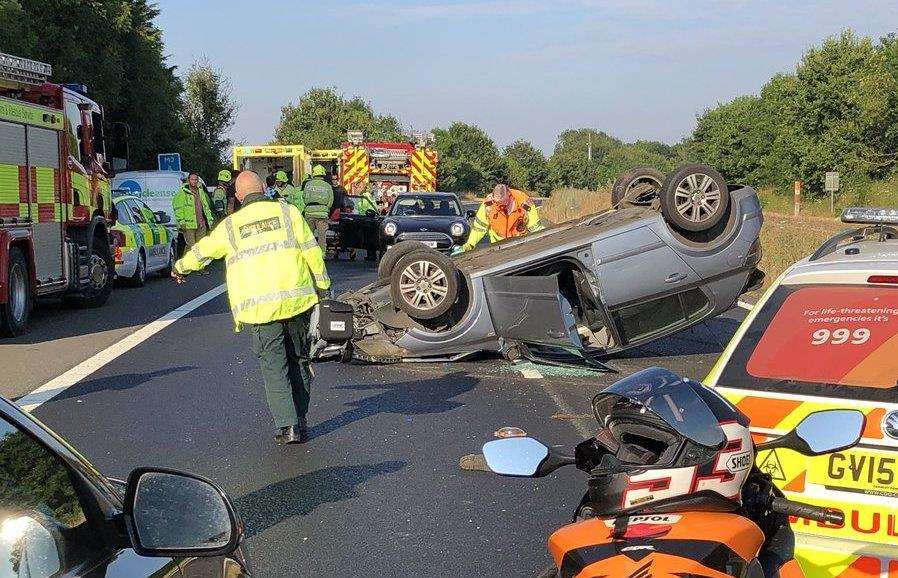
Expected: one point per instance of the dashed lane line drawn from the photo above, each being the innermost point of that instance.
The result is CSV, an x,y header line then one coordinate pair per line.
x,y
49,390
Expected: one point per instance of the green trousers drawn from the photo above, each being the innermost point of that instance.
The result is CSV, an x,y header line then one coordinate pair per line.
x,y
283,348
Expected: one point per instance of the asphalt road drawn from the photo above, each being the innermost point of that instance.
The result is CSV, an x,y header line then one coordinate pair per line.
x,y
377,491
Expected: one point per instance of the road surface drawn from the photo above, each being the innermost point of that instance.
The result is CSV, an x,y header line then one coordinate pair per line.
x,y
377,491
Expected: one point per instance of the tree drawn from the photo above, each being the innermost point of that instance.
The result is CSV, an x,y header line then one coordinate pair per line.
x,y
469,159
569,165
527,167
837,111
322,116
125,71
209,110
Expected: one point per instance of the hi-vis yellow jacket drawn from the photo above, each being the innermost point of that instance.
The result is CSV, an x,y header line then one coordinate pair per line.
x,y
273,262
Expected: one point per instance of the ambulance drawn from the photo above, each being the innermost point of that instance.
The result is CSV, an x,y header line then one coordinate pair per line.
x,y
824,336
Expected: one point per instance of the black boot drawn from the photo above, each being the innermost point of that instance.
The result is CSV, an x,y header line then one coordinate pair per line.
x,y
288,435
303,428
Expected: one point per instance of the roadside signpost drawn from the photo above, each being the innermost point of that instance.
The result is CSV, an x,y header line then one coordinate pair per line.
x,y
831,185
169,161
796,198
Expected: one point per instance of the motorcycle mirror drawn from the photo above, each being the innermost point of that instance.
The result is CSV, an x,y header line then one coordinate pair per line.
x,y
515,456
822,432
523,457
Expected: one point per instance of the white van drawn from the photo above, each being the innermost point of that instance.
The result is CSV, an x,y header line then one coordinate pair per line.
x,y
155,188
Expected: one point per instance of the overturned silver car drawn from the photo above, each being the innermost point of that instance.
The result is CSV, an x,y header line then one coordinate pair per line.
x,y
574,292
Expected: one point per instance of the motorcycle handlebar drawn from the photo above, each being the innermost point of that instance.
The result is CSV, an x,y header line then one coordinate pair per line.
x,y
808,511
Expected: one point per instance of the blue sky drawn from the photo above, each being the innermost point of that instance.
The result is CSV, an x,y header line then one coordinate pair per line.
x,y
519,69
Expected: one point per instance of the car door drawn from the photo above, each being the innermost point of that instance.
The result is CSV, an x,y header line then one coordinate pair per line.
x,y
146,232
531,309
160,243
51,524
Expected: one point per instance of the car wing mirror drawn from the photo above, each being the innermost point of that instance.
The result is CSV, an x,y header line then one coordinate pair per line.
x,y
523,457
172,513
470,213
162,217
822,432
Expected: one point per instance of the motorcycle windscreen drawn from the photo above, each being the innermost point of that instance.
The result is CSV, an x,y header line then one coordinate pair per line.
x,y
531,309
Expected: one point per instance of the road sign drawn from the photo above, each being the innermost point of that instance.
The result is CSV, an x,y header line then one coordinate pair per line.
x,y
169,161
831,183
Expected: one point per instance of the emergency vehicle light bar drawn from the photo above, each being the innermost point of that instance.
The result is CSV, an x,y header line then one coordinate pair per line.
x,y
870,216
23,71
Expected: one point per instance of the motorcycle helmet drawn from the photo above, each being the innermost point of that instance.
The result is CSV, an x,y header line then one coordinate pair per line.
x,y
667,438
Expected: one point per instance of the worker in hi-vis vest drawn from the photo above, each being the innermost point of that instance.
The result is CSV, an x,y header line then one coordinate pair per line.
x,y
275,273
504,213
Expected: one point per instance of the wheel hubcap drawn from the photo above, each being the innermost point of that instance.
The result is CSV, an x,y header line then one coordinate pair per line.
x,y
98,272
697,197
18,293
423,285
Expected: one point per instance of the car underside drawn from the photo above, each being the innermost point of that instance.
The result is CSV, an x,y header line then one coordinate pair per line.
x,y
575,292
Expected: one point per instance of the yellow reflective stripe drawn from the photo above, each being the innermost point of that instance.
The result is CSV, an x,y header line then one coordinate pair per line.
x,y
310,244
269,297
322,279
255,251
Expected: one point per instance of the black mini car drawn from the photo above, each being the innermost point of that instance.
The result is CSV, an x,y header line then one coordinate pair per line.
x,y
435,219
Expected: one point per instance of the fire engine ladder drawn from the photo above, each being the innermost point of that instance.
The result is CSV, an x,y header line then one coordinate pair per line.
x,y
16,72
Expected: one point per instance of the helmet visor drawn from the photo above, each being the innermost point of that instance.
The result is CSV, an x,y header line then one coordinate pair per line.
x,y
665,396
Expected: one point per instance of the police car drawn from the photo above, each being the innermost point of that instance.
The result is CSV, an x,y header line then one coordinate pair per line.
x,y
149,246
825,335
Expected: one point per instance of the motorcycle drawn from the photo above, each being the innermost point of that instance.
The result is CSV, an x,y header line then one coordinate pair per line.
x,y
673,488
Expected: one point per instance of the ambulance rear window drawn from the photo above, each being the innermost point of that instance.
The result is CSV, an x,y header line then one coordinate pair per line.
x,y
827,340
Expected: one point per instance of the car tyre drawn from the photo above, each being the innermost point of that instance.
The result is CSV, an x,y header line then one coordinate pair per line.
x,y
638,187
14,313
424,284
392,256
139,278
694,198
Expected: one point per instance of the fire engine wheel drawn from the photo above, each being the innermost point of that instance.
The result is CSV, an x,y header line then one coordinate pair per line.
x,y
694,198
139,278
397,252
424,284
101,267
14,313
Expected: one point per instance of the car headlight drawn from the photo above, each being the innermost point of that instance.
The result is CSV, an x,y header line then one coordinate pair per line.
x,y
457,229
390,229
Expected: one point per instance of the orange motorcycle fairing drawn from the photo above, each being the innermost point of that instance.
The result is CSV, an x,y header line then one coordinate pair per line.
x,y
694,544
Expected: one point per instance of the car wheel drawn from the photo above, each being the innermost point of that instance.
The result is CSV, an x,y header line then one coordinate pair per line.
x,y
14,313
139,278
392,256
638,187
694,198
101,267
424,284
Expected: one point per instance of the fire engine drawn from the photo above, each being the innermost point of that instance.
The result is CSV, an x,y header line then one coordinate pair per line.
x,y
389,167
55,201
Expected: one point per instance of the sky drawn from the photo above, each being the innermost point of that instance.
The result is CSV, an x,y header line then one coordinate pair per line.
x,y
636,69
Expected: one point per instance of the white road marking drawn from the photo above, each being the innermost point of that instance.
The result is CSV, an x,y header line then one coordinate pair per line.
x,y
745,305
54,387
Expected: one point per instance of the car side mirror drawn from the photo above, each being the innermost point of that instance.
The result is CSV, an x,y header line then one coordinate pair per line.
x,y
371,213
171,513
822,432
162,217
470,214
